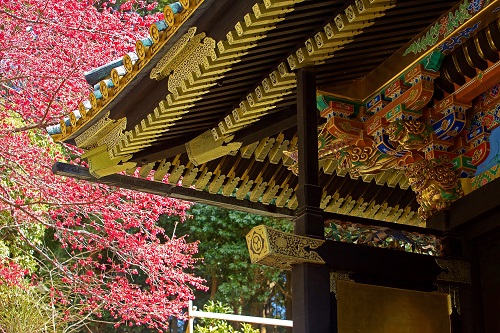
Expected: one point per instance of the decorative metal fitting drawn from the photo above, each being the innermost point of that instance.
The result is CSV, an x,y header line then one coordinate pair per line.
x,y
271,247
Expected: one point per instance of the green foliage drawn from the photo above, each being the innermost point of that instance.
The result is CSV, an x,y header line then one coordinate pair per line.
x,y
220,326
23,309
13,247
226,266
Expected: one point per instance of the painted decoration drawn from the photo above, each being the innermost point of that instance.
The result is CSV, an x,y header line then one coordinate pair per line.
x,y
448,25
382,237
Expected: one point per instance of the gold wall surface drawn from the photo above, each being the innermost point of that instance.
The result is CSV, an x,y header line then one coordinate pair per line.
x,y
372,309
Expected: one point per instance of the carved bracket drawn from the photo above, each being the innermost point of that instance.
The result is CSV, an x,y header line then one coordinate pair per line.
x,y
336,276
454,271
101,164
271,247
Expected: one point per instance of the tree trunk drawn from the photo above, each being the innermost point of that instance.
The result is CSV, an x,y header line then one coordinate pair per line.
x,y
213,287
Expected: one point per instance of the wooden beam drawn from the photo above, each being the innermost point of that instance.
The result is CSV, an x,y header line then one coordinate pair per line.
x,y
477,210
381,266
176,192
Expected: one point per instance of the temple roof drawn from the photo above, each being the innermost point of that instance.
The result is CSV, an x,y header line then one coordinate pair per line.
x,y
207,101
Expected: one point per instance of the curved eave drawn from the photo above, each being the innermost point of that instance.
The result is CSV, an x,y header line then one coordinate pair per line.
x,y
134,79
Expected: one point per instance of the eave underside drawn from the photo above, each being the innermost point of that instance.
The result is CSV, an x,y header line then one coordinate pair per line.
x,y
259,171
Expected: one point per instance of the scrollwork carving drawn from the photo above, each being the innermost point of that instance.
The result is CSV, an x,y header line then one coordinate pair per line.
x,y
454,271
363,158
408,134
271,247
175,55
436,185
201,48
90,136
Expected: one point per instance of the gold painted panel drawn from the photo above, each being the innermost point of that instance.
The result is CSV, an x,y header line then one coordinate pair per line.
x,y
372,309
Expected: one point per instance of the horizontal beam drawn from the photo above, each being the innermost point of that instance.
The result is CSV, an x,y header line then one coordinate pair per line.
x,y
176,192
477,212
392,266
268,126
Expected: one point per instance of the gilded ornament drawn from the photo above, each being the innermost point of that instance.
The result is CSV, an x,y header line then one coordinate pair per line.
x,y
72,119
339,22
345,126
117,74
176,54
338,276
64,128
364,159
169,15
84,108
129,61
94,101
436,185
271,247
191,59
408,134
154,32
91,135
142,47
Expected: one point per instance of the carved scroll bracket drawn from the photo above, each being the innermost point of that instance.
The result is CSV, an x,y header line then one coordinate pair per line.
x,y
271,247
454,271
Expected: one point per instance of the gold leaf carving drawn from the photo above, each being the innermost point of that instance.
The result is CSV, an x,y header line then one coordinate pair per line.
x,y
191,58
89,137
271,247
176,54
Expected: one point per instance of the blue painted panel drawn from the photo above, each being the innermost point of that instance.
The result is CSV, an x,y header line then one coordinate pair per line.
x,y
494,156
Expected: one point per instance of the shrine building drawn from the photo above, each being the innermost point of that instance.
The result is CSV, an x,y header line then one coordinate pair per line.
x,y
372,125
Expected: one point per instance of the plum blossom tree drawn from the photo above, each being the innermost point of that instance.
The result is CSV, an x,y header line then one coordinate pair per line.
x,y
109,238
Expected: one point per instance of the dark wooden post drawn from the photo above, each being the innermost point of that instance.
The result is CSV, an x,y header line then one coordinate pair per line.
x,y
310,283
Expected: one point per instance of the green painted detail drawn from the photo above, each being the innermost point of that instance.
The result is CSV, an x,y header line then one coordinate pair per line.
x,y
444,27
429,39
462,162
322,102
393,112
433,61
458,18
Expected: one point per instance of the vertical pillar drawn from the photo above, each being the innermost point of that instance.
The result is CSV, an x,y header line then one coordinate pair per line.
x,y
310,283
471,296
